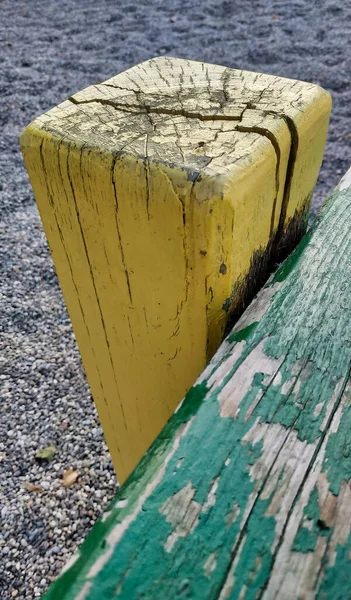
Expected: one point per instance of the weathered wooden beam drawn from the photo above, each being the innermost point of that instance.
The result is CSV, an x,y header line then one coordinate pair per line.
x,y
246,493
165,192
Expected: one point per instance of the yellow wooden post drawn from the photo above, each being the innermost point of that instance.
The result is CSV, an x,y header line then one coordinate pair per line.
x,y
164,192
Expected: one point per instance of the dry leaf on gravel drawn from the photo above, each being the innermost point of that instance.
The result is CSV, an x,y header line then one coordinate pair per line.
x,y
69,477
46,453
31,487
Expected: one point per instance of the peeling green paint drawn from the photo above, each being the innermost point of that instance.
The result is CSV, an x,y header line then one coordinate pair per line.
x,y
306,538
242,334
253,568
289,264
312,508
336,584
337,462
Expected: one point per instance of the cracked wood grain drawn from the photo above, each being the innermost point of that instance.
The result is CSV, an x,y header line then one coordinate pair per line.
x,y
246,493
172,189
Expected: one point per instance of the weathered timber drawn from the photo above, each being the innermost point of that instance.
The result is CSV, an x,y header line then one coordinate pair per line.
x,y
165,193
246,493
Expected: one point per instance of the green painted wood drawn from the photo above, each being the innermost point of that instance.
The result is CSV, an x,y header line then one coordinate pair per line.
x,y
246,492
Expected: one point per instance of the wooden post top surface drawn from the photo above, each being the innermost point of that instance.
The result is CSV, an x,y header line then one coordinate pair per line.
x,y
246,493
171,104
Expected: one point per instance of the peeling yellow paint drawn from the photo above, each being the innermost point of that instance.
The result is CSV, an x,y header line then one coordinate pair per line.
x,y
156,199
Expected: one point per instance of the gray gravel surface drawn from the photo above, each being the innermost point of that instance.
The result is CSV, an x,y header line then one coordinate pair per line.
x,y
49,50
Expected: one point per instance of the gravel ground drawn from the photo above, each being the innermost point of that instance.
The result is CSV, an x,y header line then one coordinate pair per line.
x,y
49,50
